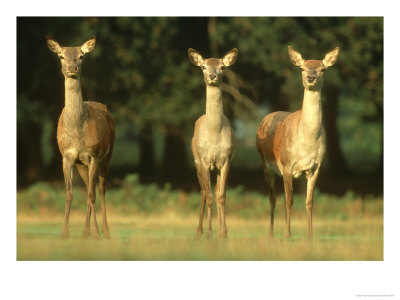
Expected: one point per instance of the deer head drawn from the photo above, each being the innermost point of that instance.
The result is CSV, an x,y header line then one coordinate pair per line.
x,y
313,70
213,67
71,57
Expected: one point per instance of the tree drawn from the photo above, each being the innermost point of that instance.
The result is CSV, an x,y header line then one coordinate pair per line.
x,y
263,42
149,83
39,93
141,71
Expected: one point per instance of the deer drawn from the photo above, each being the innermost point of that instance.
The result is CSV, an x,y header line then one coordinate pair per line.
x,y
292,144
213,141
85,137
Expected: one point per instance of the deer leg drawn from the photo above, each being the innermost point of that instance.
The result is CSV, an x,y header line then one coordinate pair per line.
x,y
217,193
203,175
67,170
84,173
288,185
270,179
311,181
91,210
203,205
220,198
203,200
102,192
209,200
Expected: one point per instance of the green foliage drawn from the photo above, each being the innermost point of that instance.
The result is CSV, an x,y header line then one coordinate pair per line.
x,y
148,79
361,140
140,69
40,195
136,198
262,44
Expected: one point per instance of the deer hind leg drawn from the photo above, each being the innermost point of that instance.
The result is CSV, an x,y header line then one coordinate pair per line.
x,y
220,198
270,179
84,173
103,170
311,181
67,170
288,185
90,208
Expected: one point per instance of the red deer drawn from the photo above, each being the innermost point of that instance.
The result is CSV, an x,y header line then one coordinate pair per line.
x,y
85,136
292,144
213,141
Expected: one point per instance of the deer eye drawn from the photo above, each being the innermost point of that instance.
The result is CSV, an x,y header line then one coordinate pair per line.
x,y
81,56
61,56
203,67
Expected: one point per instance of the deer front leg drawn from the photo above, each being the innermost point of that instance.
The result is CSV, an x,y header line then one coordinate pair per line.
x,y
270,179
220,198
311,181
203,176
288,185
67,170
209,200
203,200
90,208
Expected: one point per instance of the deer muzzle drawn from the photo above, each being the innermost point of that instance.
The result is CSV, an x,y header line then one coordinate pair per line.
x,y
311,79
72,69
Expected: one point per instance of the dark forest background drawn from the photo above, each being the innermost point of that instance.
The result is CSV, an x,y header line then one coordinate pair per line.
x,y
141,71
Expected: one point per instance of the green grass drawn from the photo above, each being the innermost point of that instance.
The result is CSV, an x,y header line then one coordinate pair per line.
x,y
148,222
172,237
133,198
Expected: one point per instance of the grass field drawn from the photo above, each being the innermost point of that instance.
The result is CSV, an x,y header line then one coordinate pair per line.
x,y
148,222
172,237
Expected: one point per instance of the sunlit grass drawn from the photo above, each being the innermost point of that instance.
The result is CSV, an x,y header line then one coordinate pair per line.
x,y
148,222
172,237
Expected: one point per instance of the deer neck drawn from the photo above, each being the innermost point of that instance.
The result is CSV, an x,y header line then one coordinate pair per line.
x,y
311,114
214,109
73,102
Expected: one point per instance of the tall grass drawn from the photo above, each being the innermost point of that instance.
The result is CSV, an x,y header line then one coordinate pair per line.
x,y
135,198
172,237
148,222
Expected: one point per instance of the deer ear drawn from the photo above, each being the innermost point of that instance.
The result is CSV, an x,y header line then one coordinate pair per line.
x,y
195,57
295,57
88,45
331,57
53,45
230,58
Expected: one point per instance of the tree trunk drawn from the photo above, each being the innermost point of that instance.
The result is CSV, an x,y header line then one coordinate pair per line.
x,y
147,154
337,163
54,167
174,162
212,29
29,155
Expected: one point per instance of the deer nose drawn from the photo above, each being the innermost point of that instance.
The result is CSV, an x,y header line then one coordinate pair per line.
x,y
72,68
212,76
311,79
